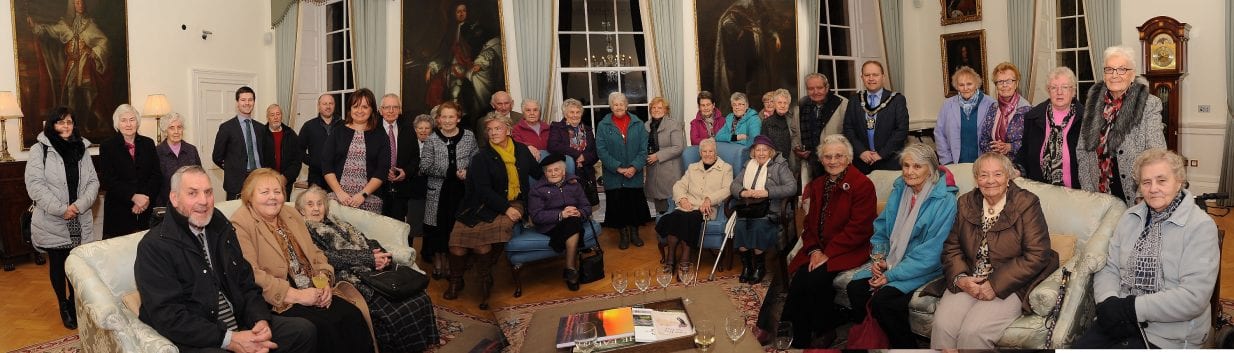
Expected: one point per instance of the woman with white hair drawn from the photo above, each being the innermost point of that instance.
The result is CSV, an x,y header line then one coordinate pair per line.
x,y
742,125
129,166
1121,120
621,140
959,120
1051,132
839,208
907,243
570,137
173,153
1163,259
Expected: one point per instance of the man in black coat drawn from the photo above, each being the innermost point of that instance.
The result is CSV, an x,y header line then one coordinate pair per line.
x,y
281,147
405,155
876,122
196,288
237,144
313,136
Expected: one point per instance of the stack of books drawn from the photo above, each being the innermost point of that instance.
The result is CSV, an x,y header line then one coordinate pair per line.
x,y
625,326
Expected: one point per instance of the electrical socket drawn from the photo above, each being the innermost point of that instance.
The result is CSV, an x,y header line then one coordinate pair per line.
x,y
1194,162
1205,108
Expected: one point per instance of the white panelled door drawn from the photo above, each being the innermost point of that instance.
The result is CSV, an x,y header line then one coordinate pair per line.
x,y
214,101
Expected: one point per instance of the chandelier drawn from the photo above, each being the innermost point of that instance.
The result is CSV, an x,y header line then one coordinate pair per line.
x,y
611,59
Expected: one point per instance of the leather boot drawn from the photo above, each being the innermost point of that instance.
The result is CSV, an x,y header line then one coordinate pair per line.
x,y
747,269
634,239
457,265
571,277
624,241
759,267
484,268
68,315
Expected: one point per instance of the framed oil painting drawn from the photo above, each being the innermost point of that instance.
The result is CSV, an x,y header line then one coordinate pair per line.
x,y
960,11
72,53
747,46
963,49
452,51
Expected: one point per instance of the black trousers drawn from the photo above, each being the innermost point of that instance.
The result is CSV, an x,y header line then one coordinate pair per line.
x,y
1095,338
889,306
340,327
59,282
394,206
810,305
291,334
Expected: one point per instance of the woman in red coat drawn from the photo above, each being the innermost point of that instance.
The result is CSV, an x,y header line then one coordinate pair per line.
x,y
842,203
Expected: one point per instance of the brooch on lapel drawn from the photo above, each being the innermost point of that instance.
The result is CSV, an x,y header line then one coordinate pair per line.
x,y
845,186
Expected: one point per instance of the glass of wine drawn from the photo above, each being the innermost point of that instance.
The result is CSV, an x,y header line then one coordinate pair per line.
x,y
735,327
704,335
878,253
665,277
619,281
784,336
642,280
685,272
585,337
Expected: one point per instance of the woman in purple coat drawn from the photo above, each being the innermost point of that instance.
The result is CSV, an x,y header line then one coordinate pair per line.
x,y
559,209
572,138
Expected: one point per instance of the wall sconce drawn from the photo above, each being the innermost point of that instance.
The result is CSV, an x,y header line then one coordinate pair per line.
x,y
156,106
8,109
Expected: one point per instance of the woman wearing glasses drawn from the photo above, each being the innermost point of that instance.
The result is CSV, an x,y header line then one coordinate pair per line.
x,y
1051,130
1002,128
1121,120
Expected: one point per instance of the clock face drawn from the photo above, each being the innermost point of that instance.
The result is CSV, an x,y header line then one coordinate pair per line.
x,y
1164,53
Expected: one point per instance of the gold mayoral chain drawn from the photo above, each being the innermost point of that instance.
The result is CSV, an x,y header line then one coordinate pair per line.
x,y
870,113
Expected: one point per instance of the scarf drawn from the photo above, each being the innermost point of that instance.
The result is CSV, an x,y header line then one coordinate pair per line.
x,y
578,139
1052,154
755,178
906,217
333,234
709,122
1105,160
1006,108
71,151
737,119
828,191
507,156
1144,265
623,125
967,105
299,268
653,144
989,216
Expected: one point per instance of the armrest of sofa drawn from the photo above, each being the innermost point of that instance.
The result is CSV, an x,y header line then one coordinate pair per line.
x,y
391,233
102,307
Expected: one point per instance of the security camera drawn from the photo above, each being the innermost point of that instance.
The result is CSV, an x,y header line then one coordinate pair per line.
x,y
205,34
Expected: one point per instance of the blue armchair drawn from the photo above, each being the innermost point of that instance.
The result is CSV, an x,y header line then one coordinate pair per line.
x,y
527,245
733,154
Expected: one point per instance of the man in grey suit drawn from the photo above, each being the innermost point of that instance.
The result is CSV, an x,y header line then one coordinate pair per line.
x,y
237,144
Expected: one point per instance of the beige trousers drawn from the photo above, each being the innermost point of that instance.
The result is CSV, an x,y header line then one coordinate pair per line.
x,y
963,322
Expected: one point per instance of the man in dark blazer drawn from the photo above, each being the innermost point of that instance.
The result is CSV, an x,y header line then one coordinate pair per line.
x,y
405,152
196,288
313,137
281,148
876,122
237,144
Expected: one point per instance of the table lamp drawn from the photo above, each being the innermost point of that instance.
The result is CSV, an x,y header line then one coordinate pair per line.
x,y
156,106
8,109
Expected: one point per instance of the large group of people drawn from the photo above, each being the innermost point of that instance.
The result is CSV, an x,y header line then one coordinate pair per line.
x,y
272,275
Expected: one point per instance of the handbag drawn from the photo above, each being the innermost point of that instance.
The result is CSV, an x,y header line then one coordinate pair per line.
x,y
752,208
396,284
867,334
26,231
590,268
591,191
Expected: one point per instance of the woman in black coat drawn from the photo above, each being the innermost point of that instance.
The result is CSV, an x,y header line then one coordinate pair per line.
x,y
352,181
129,169
1044,156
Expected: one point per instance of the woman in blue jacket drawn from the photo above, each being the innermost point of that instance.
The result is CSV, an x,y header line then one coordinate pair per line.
x,y
621,141
742,125
908,236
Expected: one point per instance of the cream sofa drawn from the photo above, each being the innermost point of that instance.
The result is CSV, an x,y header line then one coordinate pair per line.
x,y
102,274
1087,216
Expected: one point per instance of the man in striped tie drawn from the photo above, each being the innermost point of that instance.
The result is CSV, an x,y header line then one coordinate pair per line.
x,y
196,288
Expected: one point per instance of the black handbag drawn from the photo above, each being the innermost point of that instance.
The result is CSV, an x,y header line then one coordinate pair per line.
x,y
591,191
752,208
396,284
26,218
591,268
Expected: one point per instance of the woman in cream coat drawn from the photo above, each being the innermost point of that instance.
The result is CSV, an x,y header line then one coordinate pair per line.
x,y
697,195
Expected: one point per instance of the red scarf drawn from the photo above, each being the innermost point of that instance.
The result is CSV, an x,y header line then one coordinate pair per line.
x,y
1006,107
1105,161
623,124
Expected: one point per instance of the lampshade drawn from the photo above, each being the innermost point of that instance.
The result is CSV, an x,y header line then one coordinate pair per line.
x,y
8,105
156,105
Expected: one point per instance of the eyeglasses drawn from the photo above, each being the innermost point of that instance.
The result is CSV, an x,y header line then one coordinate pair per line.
x,y
1119,70
390,107
1065,88
1005,82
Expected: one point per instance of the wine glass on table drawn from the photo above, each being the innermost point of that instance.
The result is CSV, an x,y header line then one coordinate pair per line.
x,y
664,278
704,335
784,336
642,280
585,337
685,272
735,327
619,281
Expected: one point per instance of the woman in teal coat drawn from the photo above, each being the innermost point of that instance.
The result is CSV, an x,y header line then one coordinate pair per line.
x,y
742,125
908,236
621,142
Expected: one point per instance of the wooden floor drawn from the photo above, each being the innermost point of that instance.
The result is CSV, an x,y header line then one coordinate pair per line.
x,y
31,315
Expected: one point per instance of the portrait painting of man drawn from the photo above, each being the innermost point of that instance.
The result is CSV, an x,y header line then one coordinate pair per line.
x,y
72,53
963,49
746,46
452,51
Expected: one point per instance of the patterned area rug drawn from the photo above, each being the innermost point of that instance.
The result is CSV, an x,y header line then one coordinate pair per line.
x,y
66,344
514,320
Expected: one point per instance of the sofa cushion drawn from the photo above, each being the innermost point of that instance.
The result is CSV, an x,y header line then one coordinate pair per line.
x,y
132,300
1064,245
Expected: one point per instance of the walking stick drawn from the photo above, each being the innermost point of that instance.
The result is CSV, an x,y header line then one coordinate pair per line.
x,y
728,234
699,263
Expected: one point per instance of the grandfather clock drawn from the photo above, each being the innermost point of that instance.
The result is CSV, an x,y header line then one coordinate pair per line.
x,y
1165,58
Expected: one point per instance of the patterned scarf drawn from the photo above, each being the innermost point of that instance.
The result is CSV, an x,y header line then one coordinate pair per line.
x,y
653,144
578,139
967,105
824,211
1052,155
1105,160
1144,264
989,217
1006,107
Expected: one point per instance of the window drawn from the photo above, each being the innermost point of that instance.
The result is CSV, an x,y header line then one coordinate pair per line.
x,y
340,80
603,50
835,49
1072,50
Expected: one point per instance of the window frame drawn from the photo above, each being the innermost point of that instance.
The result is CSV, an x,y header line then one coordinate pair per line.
x,y
1078,51
348,61
823,22
597,107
